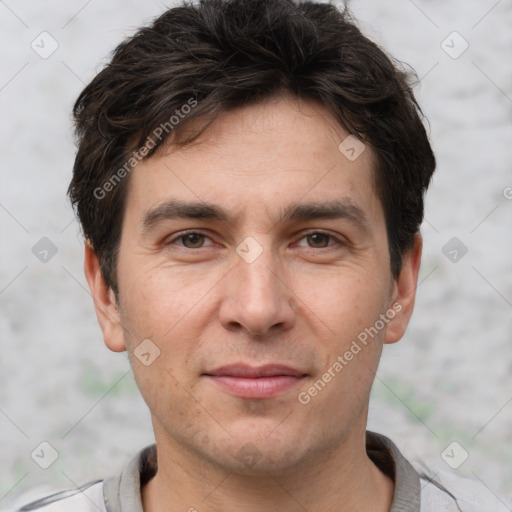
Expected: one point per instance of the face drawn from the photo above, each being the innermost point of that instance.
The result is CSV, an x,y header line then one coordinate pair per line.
x,y
261,248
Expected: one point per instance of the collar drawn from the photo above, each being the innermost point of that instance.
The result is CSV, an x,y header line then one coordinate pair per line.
x,y
387,457
122,492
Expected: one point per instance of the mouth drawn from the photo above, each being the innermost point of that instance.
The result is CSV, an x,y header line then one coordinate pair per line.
x,y
255,381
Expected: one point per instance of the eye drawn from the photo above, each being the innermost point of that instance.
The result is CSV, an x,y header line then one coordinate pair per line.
x,y
189,239
319,239
196,240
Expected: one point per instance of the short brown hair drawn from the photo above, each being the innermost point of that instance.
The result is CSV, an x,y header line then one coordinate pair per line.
x,y
222,54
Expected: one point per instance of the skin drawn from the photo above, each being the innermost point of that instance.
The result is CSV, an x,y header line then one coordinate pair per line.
x,y
301,303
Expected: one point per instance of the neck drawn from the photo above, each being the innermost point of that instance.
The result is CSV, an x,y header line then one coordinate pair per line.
x,y
343,477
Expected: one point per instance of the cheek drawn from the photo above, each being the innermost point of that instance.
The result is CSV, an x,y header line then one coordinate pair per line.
x,y
345,302
155,308
155,301
169,307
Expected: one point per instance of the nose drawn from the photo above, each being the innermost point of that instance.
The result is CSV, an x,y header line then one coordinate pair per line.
x,y
256,297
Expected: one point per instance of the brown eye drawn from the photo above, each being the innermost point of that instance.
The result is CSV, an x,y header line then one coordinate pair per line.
x,y
318,239
192,240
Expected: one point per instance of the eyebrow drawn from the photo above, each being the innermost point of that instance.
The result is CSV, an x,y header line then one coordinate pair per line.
x,y
176,209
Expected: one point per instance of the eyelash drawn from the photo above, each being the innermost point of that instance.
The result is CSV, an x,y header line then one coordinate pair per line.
x,y
184,234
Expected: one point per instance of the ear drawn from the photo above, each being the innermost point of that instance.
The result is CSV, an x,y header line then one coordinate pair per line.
x,y
404,292
104,302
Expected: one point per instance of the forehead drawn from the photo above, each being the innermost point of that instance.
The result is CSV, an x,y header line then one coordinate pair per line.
x,y
264,157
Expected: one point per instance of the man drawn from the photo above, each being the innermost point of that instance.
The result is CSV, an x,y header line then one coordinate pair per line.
x,y
250,179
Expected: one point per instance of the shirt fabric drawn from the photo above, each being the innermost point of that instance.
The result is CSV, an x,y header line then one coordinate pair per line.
x,y
413,492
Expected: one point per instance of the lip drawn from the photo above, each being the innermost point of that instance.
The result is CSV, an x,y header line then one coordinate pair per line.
x,y
247,381
247,371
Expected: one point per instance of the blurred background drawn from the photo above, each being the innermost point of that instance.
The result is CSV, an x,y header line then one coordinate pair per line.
x,y
443,393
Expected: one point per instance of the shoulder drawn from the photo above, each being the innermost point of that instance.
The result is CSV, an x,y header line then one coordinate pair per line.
x,y
446,492
421,489
119,492
89,498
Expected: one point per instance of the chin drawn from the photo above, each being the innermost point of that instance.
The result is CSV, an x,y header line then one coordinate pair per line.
x,y
261,453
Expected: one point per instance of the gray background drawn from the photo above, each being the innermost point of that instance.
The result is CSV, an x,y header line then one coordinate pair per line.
x,y
449,379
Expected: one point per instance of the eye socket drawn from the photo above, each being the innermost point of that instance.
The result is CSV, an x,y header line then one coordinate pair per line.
x,y
321,235
196,237
189,236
